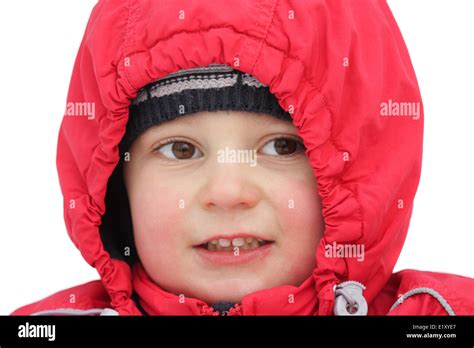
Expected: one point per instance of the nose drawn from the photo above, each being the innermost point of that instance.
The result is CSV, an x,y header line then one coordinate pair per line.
x,y
230,186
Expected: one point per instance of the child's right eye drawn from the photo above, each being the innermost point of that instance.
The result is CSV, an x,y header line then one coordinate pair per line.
x,y
179,150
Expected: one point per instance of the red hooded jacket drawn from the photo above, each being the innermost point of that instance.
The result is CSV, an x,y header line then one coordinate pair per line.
x,y
333,64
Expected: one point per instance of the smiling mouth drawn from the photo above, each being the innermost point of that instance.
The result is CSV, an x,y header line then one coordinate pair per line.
x,y
229,244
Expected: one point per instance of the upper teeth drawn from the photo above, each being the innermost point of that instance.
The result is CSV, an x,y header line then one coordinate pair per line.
x,y
225,244
238,242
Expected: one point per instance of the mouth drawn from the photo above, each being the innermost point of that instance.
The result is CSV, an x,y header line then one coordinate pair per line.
x,y
230,244
236,249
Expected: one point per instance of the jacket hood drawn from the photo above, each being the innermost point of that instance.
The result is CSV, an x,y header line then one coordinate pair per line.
x,y
340,68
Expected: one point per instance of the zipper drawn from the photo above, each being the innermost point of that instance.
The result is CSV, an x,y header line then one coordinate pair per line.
x,y
233,311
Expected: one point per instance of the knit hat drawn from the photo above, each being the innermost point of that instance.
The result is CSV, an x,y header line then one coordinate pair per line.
x,y
212,88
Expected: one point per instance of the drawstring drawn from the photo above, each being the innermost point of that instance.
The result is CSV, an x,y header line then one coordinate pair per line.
x,y
349,299
424,290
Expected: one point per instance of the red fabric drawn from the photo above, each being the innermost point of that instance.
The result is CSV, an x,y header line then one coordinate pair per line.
x,y
364,163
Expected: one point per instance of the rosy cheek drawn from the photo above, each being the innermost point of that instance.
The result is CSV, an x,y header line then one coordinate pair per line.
x,y
158,216
300,218
300,203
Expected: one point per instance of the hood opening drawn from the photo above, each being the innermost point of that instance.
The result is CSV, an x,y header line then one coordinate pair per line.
x,y
116,229
336,109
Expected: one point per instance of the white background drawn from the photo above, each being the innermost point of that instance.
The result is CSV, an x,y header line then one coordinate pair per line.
x,y
39,42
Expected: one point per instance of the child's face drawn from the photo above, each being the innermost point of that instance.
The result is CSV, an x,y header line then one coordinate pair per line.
x,y
185,189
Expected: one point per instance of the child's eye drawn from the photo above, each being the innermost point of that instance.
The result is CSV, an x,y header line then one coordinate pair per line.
x,y
282,147
179,150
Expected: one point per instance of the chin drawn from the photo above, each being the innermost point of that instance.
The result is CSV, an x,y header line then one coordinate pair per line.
x,y
231,290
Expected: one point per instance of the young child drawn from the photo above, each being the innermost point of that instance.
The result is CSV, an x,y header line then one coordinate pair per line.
x,y
240,161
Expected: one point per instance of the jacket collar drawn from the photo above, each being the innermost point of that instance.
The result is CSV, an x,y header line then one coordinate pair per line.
x,y
281,300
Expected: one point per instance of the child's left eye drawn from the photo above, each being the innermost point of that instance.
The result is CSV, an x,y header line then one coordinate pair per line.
x,y
179,150
282,147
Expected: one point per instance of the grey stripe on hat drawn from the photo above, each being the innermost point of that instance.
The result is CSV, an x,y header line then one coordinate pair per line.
x,y
192,82
213,76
